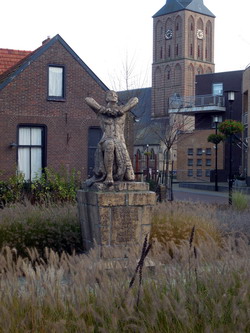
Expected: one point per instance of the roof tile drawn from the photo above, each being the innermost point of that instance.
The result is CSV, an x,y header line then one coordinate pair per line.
x,y
9,58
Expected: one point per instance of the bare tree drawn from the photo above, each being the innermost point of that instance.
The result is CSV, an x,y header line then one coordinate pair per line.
x,y
169,133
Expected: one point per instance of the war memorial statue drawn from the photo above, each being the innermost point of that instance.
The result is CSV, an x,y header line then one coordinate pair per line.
x,y
112,161
114,210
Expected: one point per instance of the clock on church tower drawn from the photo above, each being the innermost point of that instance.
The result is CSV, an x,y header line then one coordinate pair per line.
x,y
183,46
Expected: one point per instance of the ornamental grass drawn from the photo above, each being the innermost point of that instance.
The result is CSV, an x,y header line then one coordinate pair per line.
x,y
201,285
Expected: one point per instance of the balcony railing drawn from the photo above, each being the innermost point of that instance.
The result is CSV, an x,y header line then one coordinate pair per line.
x,y
196,102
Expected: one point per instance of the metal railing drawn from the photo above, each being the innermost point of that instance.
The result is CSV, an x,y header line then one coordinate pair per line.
x,y
176,102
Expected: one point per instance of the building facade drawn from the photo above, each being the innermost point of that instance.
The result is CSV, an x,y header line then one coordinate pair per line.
x,y
196,156
44,120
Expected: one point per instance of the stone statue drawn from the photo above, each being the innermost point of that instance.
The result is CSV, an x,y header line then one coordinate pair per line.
x,y
112,161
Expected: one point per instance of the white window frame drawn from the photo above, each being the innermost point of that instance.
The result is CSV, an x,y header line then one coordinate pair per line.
x,y
30,151
56,82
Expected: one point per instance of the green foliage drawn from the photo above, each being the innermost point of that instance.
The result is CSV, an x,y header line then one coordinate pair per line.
x,y
240,201
51,186
55,187
27,226
12,190
230,126
215,138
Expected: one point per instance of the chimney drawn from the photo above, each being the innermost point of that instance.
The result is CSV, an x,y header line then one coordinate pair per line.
x,y
46,40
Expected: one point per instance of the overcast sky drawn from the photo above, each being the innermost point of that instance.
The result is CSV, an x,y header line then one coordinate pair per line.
x,y
109,34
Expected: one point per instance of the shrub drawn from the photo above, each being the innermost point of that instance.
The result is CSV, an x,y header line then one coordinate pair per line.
x,y
12,190
240,200
51,186
55,187
33,226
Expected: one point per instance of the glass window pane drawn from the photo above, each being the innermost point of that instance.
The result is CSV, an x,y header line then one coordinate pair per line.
x,y
56,81
24,162
24,136
36,136
36,162
218,89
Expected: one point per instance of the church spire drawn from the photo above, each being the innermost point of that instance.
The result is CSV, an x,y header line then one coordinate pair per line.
x,y
196,6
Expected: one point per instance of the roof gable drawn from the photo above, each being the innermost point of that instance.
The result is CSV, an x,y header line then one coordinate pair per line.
x,y
14,71
172,6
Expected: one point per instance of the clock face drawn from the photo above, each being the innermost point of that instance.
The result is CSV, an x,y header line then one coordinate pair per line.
x,y
200,34
169,34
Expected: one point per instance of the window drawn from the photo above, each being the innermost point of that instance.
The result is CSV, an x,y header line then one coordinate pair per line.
x,y
190,151
199,162
31,151
190,172
190,162
152,154
218,89
208,162
199,151
208,151
56,82
199,173
208,172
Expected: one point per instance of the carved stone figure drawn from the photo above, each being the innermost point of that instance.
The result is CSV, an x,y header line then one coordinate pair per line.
x,y
112,161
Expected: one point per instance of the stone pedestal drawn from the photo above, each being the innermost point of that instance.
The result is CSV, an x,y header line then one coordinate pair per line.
x,y
118,216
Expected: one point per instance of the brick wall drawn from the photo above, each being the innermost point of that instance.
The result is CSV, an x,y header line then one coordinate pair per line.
x,y
197,140
175,73
24,101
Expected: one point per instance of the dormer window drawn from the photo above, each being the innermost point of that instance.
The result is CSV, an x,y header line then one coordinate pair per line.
x,y
56,83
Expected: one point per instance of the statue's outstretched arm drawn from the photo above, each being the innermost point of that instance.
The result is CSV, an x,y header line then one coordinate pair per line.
x,y
93,104
131,103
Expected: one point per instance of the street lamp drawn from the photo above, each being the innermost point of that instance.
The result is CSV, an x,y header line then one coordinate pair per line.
x,y
147,176
231,98
216,120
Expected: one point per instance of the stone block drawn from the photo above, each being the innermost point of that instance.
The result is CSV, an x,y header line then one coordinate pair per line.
x,y
104,216
111,199
125,222
137,186
91,198
81,197
141,198
147,214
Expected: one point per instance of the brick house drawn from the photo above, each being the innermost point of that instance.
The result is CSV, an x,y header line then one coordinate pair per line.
x,y
44,120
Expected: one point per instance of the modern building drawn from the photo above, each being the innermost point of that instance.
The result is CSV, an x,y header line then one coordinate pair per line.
x,y
196,156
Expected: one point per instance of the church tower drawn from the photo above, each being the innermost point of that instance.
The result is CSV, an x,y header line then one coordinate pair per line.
x,y
183,46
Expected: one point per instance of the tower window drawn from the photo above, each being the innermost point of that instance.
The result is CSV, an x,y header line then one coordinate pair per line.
x,y
198,52
177,50
191,50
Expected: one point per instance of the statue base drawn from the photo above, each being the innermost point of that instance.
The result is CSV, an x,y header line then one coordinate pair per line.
x,y
116,216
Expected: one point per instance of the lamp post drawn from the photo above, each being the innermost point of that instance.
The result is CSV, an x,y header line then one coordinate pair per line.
x,y
216,120
231,98
147,177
